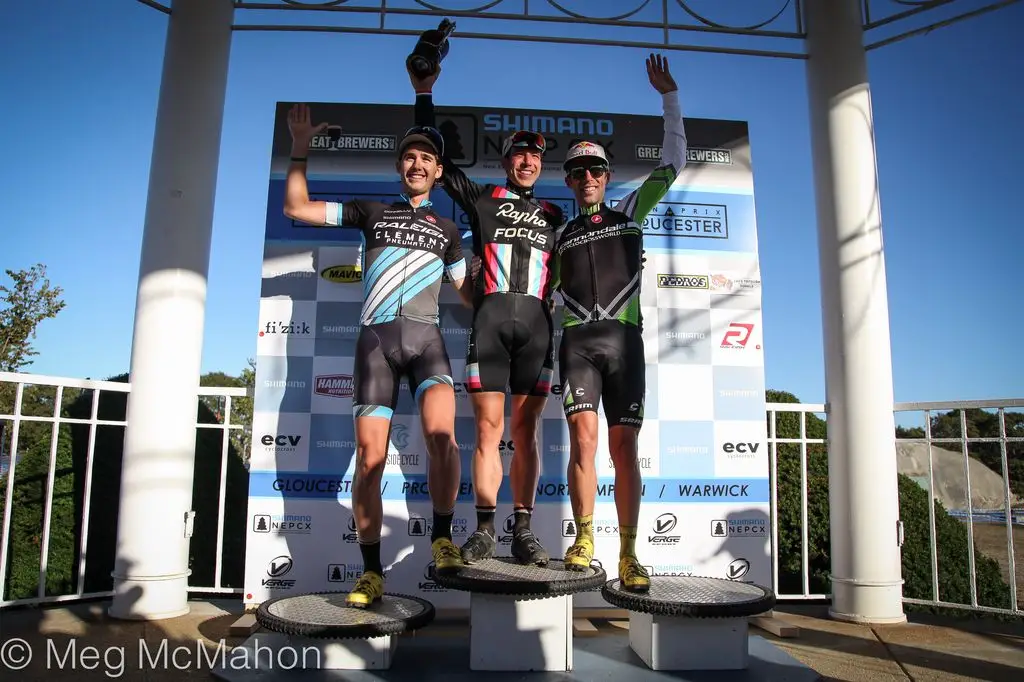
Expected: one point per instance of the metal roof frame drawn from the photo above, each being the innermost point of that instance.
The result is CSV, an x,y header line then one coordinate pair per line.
x,y
676,23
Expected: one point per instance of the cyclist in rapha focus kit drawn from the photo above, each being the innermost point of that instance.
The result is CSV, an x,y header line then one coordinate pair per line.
x,y
402,276
511,343
599,258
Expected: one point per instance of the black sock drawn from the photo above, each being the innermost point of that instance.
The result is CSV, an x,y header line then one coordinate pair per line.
x,y
442,525
371,556
485,519
521,518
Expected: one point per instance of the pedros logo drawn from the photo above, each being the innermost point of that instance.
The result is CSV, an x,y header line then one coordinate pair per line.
x,y
342,274
673,281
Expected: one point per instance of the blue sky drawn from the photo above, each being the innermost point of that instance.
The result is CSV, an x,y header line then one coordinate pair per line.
x,y
80,83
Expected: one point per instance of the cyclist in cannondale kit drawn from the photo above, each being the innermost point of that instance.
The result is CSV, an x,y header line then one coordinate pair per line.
x,y
510,343
407,248
598,264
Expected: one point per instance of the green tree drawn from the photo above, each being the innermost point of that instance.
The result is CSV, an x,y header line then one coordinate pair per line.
x,y
26,303
241,408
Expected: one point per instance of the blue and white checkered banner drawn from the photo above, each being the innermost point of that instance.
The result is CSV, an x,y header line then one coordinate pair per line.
x,y
703,445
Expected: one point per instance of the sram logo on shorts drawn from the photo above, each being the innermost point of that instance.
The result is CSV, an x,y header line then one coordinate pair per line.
x,y
673,281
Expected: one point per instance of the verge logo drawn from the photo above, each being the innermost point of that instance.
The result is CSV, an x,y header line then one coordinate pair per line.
x,y
430,579
662,526
334,385
350,537
737,569
276,570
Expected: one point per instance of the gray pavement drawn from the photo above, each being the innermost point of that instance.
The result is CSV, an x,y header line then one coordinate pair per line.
x,y
79,641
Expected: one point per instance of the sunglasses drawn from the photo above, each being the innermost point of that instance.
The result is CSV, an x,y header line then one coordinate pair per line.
x,y
526,138
580,172
433,134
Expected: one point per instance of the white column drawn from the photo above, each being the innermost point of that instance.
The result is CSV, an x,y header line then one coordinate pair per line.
x,y
151,568
863,495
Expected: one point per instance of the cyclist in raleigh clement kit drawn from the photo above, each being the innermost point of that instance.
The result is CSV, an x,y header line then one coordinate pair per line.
x,y
511,343
598,268
408,246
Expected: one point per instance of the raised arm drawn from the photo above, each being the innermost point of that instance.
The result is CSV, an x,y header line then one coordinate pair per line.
x,y
297,204
638,203
456,184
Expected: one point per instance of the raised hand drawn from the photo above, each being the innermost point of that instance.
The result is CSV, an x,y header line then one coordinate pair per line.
x,y
657,73
300,127
423,84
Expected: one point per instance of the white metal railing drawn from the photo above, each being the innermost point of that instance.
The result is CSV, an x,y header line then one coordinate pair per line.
x,y
56,419
1008,516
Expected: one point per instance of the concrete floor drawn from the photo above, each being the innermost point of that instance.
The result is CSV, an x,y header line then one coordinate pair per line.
x,y
80,642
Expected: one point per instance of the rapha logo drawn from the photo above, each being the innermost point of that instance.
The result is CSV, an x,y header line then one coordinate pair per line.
x,y
508,210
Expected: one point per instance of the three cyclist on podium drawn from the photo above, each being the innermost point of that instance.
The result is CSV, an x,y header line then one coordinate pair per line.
x,y
524,251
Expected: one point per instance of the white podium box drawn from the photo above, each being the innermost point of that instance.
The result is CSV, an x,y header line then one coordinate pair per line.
x,y
678,643
521,633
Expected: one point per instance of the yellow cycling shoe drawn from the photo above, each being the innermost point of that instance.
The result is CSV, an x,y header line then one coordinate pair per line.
x,y
369,588
579,556
632,575
447,557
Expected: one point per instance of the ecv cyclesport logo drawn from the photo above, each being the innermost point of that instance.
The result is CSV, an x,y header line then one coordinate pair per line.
x,y
662,527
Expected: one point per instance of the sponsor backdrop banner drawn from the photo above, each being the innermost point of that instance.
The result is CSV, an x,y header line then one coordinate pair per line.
x,y
703,449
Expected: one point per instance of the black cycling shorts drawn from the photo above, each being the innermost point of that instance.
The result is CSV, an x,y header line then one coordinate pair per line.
x,y
511,345
387,352
604,360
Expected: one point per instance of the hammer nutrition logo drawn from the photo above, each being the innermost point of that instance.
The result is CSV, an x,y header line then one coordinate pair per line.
x,y
334,385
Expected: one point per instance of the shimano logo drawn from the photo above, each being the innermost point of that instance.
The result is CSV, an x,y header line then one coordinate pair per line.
x,y
566,125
